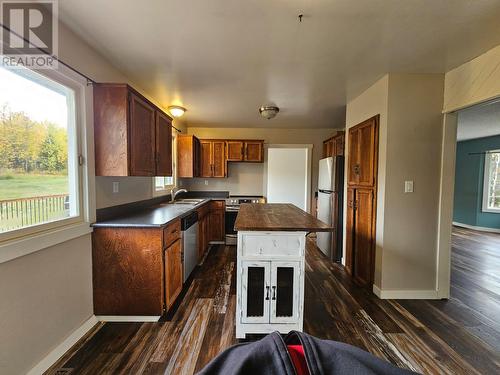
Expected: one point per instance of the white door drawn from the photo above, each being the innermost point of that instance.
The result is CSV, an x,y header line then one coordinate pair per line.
x,y
255,291
285,292
289,175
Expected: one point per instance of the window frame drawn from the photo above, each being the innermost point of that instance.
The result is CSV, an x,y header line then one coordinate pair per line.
x,y
29,239
166,189
486,182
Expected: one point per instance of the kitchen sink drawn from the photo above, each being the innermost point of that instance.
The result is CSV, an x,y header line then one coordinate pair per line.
x,y
191,201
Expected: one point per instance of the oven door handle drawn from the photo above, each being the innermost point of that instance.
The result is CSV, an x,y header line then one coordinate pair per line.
x,y
232,209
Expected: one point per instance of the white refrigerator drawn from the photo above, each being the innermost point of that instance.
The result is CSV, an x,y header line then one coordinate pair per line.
x,y
330,205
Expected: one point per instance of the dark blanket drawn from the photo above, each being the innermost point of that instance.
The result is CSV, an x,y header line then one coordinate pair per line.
x,y
270,356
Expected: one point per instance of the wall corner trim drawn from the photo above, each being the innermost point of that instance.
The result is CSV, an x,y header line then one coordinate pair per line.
x,y
405,294
63,347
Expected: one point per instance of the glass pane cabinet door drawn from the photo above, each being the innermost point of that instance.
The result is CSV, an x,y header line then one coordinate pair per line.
x,y
255,292
285,290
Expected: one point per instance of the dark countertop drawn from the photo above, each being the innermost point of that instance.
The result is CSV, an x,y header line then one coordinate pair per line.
x,y
277,217
152,217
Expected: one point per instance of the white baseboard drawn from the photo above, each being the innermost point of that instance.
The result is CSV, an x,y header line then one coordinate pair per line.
x,y
404,294
63,347
128,318
481,229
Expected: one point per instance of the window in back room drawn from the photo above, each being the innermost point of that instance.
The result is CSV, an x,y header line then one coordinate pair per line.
x,y
39,180
491,192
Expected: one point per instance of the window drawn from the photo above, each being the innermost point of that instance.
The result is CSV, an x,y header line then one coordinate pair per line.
x,y
163,185
491,189
39,161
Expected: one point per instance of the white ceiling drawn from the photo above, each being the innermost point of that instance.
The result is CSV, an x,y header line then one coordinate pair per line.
x,y
482,120
223,59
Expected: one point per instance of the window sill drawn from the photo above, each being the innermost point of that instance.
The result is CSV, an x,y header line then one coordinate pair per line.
x,y
23,246
491,210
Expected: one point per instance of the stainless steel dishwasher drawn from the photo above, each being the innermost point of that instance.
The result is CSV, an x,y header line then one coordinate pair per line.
x,y
189,228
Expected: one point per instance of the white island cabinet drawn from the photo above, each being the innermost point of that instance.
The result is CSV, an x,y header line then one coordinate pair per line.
x,y
271,267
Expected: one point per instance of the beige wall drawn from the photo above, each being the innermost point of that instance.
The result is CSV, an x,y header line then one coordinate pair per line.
x,y
48,294
247,178
374,101
45,297
409,149
473,82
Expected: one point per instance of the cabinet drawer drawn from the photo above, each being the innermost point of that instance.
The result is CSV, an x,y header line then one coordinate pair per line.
x,y
217,205
171,233
272,245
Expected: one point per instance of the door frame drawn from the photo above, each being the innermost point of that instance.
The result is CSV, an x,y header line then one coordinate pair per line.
x,y
309,148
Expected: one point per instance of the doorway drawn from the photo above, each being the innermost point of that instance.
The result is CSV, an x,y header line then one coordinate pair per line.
x,y
289,175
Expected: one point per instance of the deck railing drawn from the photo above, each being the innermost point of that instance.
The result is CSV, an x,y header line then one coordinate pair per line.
x,y
22,212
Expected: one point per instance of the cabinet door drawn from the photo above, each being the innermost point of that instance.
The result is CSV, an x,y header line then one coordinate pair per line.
x,y
353,159
173,273
339,145
234,150
142,137
206,159
285,292
254,151
367,153
363,244
219,159
216,225
163,145
255,292
349,230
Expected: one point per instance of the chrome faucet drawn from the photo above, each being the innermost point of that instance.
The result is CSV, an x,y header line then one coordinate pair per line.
x,y
174,193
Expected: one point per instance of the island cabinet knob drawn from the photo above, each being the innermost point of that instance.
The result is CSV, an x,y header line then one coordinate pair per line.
x,y
274,293
274,243
260,250
267,292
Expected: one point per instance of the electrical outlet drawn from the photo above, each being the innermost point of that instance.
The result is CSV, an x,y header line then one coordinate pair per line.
x,y
408,186
206,182
116,187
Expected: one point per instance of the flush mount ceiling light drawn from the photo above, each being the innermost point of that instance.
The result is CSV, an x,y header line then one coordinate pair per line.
x,y
268,111
176,110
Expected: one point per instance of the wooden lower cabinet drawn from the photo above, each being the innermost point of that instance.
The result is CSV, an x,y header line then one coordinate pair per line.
x,y
136,271
360,234
216,221
173,272
203,230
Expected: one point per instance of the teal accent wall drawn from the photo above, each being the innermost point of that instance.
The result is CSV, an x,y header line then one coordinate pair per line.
x,y
469,179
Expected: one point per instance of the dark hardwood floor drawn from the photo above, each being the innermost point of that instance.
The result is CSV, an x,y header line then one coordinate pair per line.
x,y
457,336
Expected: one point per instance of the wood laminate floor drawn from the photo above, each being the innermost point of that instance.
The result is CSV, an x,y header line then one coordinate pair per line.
x,y
457,336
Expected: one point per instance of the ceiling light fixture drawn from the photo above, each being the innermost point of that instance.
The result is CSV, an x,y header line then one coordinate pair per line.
x,y
268,111
176,110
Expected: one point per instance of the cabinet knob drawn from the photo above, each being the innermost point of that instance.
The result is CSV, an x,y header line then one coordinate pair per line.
x,y
274,293
267,292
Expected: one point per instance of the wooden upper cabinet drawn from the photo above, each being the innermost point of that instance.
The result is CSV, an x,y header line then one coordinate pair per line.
x,y
235,150
219,159
125,133
338,144
254,151
206,158
188,156
213,158
363,145
163,145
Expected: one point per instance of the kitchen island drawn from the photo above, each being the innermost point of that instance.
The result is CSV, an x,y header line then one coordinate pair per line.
x,y
271,267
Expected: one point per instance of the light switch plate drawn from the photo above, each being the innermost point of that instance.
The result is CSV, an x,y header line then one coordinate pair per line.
x,y
116,187
408,186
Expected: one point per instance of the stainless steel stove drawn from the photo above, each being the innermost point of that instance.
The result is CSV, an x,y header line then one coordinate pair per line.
x,y
232,208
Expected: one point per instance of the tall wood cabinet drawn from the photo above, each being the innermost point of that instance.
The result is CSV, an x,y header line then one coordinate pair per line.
x,y
132,136
361,200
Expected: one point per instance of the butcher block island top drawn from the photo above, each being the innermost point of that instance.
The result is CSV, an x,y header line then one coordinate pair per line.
x,y
277,217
